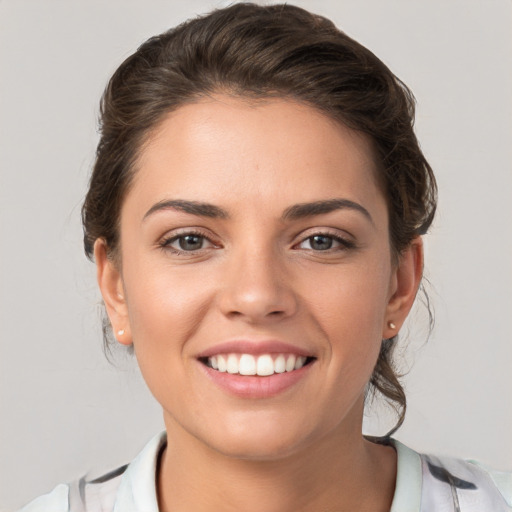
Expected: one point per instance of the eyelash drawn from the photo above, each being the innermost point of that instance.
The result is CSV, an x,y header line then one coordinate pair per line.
x,y
166,242
344,244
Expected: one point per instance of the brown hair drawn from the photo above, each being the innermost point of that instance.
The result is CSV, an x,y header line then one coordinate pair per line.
x,y
272,51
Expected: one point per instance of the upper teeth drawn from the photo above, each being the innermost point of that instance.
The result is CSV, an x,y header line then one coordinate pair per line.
x,y
263,365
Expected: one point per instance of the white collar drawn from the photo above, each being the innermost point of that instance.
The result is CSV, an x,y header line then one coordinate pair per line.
x,y
137,489
409,479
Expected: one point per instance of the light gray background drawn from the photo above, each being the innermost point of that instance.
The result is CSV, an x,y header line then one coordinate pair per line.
x,y
64,409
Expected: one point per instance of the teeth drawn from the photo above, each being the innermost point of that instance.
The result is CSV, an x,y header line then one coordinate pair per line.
x,y
222,364
299,363
280,364
232,365
247,365
263,365
290,363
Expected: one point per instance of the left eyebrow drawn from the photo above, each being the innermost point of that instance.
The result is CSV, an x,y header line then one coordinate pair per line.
x,y
301,210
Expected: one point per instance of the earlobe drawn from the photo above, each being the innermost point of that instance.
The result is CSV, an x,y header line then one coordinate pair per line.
x,y
111,285
404,285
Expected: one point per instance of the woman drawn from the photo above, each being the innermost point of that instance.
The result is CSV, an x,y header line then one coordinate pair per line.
x,y
255,214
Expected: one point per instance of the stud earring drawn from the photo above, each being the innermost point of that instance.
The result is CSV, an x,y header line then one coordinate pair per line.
x,y
391,325
120,332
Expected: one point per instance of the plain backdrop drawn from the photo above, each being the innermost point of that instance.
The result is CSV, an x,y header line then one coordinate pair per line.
x,y
65,410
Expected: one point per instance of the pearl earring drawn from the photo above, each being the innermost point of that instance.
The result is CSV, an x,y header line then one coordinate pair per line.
x,y
120,332
391,325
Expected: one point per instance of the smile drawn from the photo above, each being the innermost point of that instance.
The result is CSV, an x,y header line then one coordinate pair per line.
x,y
256,369
262,365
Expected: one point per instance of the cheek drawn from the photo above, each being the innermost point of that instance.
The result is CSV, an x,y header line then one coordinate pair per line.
x,y
351,312
165,304
165,307
353,298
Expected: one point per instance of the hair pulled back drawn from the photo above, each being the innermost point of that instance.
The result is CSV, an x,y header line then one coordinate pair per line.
x,y
259,52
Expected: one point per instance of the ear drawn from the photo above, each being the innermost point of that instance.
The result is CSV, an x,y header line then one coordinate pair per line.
x,y
405,281
111,286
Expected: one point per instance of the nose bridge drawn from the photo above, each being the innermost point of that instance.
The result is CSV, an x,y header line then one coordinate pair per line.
x,y
256,284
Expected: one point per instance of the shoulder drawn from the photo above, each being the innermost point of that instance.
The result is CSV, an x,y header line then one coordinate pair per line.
x,y
130,487
55,501
468,485
98,495
427,482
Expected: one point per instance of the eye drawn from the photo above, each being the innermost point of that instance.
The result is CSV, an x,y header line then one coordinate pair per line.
x,y
190,242
319,242
325,242
186,242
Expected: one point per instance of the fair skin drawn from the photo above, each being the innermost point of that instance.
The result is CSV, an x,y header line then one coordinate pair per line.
x,y
255,272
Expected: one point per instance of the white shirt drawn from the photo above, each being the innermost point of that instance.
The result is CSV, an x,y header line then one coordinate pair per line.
x,y
424,484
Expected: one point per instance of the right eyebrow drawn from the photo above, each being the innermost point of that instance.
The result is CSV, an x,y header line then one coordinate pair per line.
x,y
192,207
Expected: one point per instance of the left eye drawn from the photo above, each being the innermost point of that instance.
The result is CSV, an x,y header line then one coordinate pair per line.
x,y
187,242
320,243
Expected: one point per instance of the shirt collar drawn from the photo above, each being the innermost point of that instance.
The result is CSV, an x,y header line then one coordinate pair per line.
x,y
137,490
409,479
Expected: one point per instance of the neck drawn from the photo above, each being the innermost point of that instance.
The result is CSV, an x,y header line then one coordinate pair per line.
x,y
340,472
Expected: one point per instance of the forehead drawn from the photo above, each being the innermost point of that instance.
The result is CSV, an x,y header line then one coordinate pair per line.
x,y
223,149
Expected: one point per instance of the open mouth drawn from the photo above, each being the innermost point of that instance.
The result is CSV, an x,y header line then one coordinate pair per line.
x,y
262,365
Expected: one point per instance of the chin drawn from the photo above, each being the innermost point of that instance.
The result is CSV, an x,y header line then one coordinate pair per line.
x,y
260,449
260,439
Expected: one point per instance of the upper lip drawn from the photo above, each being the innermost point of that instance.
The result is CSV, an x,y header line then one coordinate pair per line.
x,y
255,348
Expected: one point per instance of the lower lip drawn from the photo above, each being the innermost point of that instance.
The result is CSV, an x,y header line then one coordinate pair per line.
x,y
252,386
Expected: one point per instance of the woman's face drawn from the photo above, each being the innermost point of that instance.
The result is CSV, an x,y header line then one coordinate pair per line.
x,y
254,236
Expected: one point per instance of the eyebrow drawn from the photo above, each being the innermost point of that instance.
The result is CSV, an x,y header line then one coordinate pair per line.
x,y
192,207
295,212
302,210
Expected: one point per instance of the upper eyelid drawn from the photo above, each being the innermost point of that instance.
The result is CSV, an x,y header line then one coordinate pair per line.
x,y
327,231
345,242
344,238
178,232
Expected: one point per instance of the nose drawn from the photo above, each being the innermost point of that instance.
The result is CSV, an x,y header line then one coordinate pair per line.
x,y
257,288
